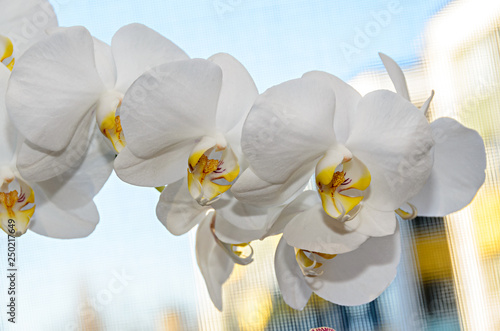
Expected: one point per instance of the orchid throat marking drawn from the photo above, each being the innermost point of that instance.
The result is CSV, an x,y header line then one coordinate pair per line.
x,y
342,187
212,169
17,205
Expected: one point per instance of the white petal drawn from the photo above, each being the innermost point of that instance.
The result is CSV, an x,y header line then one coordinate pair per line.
x,y
278,221
170,104
241,215
360,276
458,170
105,63
397,76
177,210
427,103
79,185
54,221
315,231
249,188
162,169
8,134
137,48
346,101
291,282
214,264
373,223
289,125
25,22
228,233
238,92
54,86
393,139
37,164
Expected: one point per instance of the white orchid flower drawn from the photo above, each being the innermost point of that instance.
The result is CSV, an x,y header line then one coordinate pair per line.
x,y
349,279
60,207
459,160
183,122
370,154
23,23
62,85
185,118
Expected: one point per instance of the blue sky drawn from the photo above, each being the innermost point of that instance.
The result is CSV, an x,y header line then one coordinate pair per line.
x,y
275,40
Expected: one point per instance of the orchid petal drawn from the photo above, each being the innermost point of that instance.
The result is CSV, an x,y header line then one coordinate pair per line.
x,y
393,139
8,134
373,223
346,101
79,185
54,221
170,104
315,231
279,220
397,76
105,63
25,22
55,85
177,210
37,164
458,171
249,188
214,263
241,215
427,103
238,92
162,169
230,233
136,49
291,282
360,276
290,124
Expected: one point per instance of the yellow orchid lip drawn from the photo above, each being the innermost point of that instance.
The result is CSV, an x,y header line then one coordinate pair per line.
x,y
107,115
7,49
16,207
342,186
212,168
241,254
308,261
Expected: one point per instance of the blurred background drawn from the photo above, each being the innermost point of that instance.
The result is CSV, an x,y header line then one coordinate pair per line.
x,y
131,274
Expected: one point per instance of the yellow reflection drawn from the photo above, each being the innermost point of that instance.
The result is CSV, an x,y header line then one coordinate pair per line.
x,y
463,64
255,311
171,321
486,211
433,256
